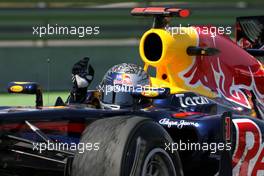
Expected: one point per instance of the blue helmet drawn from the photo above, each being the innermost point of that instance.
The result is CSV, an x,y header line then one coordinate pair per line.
x,y
118,83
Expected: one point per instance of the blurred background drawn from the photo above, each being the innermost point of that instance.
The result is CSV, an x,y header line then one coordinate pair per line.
x,y
48,60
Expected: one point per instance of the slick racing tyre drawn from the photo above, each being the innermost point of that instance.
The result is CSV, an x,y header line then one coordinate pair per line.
x,y
128,146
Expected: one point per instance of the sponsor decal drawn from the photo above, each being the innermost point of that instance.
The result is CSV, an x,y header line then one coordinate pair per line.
x,y
219,75
186,101
179,124
150,93
126,79
249,152
118,79
123,79
16,89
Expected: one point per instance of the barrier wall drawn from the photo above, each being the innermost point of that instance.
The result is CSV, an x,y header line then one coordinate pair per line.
x,y
30,64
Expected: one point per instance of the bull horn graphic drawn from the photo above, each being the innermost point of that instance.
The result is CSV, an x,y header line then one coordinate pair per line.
x,y
188,60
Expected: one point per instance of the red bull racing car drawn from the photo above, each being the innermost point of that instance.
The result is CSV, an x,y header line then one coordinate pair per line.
x,y
205,116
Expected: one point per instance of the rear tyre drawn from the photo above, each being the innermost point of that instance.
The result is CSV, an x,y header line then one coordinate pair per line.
x,y
128,146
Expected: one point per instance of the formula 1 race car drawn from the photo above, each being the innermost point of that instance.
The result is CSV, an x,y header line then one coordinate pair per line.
x,y
208,121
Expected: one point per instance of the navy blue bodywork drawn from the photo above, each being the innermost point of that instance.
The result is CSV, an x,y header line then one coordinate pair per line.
x,y
66,124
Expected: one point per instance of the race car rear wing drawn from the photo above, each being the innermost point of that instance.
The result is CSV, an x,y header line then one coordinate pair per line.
x,y
250,35
250,29
161,14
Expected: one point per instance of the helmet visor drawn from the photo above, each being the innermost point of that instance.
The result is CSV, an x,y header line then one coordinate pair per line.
x,y
118,98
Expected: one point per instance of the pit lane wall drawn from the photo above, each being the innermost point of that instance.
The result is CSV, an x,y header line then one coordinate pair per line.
x,y
31,63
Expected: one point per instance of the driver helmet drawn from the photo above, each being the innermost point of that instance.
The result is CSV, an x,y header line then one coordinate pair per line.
x,y
118,83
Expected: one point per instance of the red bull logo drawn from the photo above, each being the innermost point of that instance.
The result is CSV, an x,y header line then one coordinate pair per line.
x,y
123,79
228,73
126,79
